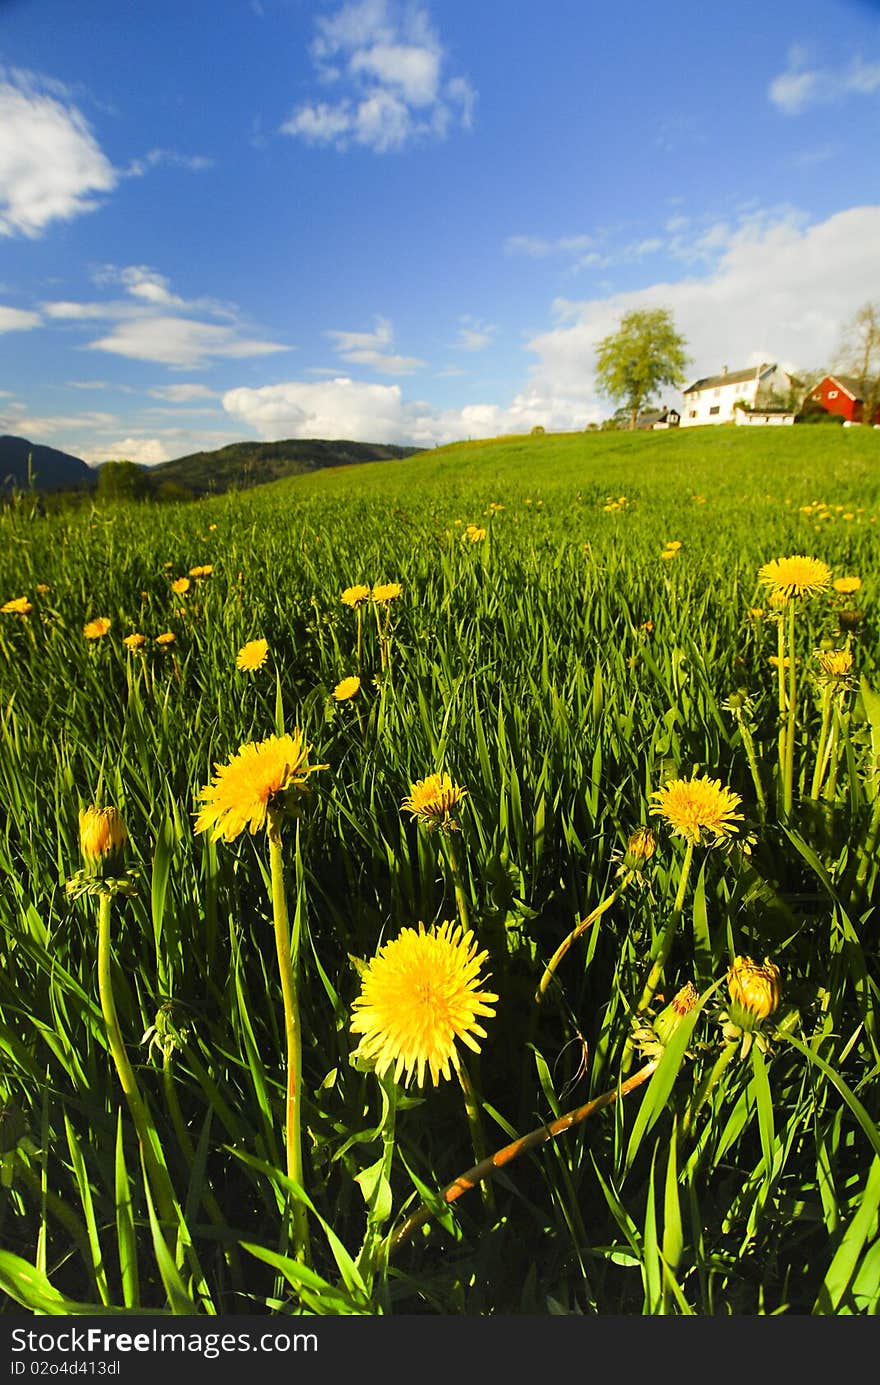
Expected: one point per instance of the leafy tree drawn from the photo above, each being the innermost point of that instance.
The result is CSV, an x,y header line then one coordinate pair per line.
x,y
122,481
859,357
645,353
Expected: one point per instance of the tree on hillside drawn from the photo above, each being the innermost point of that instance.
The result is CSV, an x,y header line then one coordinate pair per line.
x,y
645,353
122,481
859,357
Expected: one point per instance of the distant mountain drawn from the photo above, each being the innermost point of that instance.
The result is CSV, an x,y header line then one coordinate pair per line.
x,y
246,464
51,470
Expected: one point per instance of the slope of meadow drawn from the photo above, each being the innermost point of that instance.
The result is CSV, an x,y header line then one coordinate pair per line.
x,y
574,629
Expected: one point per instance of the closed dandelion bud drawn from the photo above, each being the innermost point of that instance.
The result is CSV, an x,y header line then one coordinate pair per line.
x,y
850,619
102,833
755,991
671,1017
640,847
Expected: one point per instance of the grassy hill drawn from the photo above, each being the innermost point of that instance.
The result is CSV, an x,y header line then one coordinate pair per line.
x,y
744,469
245,464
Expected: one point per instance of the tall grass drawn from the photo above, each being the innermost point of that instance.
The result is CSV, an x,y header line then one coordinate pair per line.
x,y
562,671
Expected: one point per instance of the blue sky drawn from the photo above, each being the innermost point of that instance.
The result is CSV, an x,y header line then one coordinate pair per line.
x,y
411,222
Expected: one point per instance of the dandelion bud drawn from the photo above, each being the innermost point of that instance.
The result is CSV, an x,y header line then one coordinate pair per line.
x,y
850,619
102,833
755,990
640,847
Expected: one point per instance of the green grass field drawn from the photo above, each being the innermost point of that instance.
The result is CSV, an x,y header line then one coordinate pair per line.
x,y
185,1128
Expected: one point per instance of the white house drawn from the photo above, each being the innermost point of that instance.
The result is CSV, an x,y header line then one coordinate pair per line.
x,y
711,399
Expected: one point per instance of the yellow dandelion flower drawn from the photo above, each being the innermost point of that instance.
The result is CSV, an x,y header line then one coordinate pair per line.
x,y
475,533
18,606
102,833
669,553
837,663
420,994
252,655
135,641
211,528
42,588
433,800
756,612
755,989
181,586
696,806
844,585
673,545
167,638
796,576
777,600
254,780
346,689
386,591
95,629
353,596
204,571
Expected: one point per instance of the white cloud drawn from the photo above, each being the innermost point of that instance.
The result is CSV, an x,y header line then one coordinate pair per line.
x,y
165,158
17,320
387,61
67,311
800,87
51,166
36,426
144,283
474,335
371,349
345,408
179,341
182,394
144,451
152,323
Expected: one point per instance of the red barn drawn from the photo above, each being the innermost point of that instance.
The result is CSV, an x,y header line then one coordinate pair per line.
x,y
840,394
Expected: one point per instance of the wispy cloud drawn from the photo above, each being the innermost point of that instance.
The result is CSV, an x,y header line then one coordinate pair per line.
x,y
155,324
387,63
597,251
182,394
179,341
51,165
801,86
474,335
373,349
168,158
17,320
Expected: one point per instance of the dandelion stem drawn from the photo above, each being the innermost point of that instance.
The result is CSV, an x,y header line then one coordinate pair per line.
x,y
457,882
533,1140
749,743
821,757
780,687
472,1110
668,935
788,773
578,932
158,1175
292,1032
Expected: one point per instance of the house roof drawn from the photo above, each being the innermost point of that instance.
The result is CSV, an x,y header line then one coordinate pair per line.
x,y
655,416
729,377
849,384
